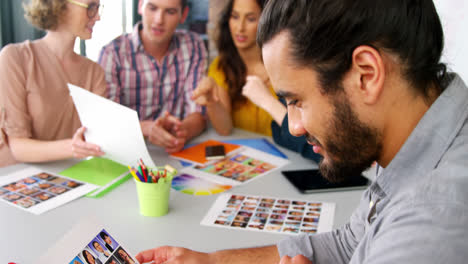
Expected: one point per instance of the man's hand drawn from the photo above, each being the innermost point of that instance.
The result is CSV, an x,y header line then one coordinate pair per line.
x,y
80,148
206,92
170,255
167,132
299,259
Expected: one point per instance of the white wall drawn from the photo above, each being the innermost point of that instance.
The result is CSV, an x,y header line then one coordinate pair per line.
x,y
453,14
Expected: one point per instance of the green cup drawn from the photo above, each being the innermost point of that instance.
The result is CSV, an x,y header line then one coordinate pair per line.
x,y
154,197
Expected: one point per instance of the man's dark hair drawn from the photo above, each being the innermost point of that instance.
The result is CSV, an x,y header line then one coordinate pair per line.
x,y
324,33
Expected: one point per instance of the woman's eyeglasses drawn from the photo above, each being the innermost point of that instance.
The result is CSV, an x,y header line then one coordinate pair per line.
x,y
93,8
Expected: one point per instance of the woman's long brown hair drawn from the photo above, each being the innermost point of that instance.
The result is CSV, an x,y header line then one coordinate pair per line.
x,y
230,62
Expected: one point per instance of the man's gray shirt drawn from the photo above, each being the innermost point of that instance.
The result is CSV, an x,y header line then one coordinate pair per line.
x,y
416,211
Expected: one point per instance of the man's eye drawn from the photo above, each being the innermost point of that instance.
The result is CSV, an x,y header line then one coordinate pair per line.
x,y
292,102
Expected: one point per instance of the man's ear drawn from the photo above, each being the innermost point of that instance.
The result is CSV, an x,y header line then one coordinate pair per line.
x,y
184,14
369,73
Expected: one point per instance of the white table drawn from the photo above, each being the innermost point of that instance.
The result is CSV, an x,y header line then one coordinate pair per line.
x,y
26,236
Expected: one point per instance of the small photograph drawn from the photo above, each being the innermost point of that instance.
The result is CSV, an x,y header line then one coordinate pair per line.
x,y
238,197
300,208
242,178
258,220
250,203
3,191
239,158
252,173
268,200
291,230
29,181
257,226
25,202
296,213
265,166
57,189
234,201
313,214
261,215
262,209
233,206
238,170
245,213
44,185
275,228
248,208
239,224
310,231
228,211
241,218
311,220
315,204
76,260
43,196
58,180
276,222
315,209
45,176
123,256
292,224
280,211
222,222
88,256
298,203
282,206
267,205
252,162
112,260
108,241
294,218
14,186
314,225
277,216
29,191
99,249
227,174
253,199
11,197
220,166
283,201
71,184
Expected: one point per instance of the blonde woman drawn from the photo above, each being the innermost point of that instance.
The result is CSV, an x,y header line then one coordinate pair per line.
x,y
38,120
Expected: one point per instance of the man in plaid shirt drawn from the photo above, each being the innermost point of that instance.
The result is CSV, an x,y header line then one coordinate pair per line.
x,y
154,70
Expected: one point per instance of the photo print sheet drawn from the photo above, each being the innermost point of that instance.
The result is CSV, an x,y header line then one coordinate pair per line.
x,y
240,166
88,242
277,215
37,191
103,249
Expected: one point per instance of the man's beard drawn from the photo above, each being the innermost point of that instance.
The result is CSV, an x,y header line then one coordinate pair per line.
x,y
351,146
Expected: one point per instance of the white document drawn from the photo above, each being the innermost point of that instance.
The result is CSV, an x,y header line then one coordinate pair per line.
x,y
86,238
270,214
113,127
36,191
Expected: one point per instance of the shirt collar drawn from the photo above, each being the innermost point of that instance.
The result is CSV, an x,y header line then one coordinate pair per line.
x,y
138,43
430,140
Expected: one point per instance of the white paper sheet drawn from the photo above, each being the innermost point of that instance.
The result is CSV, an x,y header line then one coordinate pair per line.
x,y
113,127
36,195
270,214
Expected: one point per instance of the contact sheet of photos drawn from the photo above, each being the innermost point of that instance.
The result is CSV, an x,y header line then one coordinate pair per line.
x,y
240,166
37,191
286,216
103,249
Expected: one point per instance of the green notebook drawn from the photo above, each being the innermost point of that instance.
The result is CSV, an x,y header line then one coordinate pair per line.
x,y
102,172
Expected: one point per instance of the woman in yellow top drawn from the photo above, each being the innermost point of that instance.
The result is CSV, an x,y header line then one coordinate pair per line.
x,y
237,80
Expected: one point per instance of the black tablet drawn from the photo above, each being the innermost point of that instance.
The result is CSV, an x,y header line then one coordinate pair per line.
x,y
311,181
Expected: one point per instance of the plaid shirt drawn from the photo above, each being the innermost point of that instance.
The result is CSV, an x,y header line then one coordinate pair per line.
x,y
135,79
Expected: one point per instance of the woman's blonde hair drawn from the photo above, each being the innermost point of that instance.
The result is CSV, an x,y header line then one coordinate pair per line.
x,y
44,14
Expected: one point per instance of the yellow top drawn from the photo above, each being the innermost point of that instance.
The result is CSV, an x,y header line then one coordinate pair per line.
x,y
247,116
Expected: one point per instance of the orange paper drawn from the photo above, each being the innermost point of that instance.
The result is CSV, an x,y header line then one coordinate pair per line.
x,y
197,153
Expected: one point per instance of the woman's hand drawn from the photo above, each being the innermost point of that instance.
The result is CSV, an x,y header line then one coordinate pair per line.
x,y
80,148
206,92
